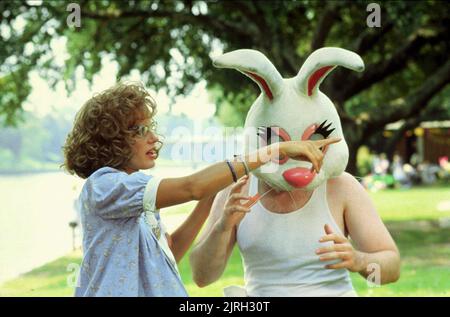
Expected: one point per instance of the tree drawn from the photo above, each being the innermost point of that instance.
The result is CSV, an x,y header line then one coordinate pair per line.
x,y
406,58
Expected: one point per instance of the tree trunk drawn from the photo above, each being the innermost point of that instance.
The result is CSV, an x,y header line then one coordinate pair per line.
x,y
391,143
353,137
352,167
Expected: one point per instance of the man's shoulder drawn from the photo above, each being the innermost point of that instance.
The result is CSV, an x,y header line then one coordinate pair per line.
x,y
343,182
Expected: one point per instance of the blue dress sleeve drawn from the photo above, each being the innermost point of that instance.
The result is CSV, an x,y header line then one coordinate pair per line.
x,y
113,194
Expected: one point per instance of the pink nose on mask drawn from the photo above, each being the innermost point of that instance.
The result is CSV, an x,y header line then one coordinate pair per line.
x,y
299,176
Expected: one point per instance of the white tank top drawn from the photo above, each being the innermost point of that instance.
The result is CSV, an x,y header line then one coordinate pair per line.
x,y
278,250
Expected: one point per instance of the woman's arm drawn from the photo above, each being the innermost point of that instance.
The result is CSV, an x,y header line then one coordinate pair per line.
x,y
174,191
185,234
375,248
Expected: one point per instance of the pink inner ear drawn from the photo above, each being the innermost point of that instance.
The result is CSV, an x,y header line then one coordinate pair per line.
x,y
315,77
263,84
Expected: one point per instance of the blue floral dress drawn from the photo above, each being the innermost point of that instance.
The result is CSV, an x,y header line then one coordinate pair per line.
x,y
125,248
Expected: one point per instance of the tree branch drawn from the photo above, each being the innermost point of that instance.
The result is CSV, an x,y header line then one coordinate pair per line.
x,y
370,37
245,8
379,71
413,104
361,45
324,26
219,25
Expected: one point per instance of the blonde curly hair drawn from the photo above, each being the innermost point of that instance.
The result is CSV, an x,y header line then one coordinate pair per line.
x,y
101,134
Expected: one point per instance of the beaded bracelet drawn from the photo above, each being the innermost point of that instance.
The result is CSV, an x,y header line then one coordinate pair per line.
x,y
233,172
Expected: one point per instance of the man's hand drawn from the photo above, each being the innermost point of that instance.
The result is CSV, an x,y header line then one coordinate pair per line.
x,y
342,249
234,210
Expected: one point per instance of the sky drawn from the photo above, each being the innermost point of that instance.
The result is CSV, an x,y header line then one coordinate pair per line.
x,y
44,99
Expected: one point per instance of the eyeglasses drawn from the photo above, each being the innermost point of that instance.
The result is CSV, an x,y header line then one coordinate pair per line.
x,y
143,131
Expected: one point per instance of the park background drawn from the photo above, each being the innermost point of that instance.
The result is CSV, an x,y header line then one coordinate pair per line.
x,y
395,115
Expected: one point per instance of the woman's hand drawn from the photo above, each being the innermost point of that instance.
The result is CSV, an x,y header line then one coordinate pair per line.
x,y
342,249
311,149
234,210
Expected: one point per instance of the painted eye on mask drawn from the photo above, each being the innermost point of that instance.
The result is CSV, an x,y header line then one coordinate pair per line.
x,y
270,135
322,131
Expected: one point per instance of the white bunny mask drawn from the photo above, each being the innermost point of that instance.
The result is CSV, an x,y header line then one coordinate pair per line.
x,y
294,109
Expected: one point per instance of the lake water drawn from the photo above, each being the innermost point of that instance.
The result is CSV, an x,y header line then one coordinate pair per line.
x,y
35,211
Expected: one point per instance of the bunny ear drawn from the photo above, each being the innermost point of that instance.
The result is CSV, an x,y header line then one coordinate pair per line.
x,y
255,65
320,63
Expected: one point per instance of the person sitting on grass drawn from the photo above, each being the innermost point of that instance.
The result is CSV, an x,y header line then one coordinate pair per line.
x,y
127,252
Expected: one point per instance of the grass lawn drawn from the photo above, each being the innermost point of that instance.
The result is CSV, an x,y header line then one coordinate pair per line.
x,y
424,247
419,203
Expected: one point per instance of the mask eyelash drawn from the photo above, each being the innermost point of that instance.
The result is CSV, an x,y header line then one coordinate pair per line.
x,y
324,130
